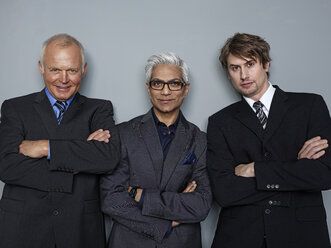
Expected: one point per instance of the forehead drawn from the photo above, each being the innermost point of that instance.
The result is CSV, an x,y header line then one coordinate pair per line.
x,y
236,60
56,52
167,72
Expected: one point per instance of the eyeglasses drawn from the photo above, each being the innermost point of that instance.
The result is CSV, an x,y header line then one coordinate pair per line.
x,y
173,85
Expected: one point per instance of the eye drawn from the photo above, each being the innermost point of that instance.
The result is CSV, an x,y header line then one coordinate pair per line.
x,y
157,84
73,70
54,69
234,68
176,83
250,64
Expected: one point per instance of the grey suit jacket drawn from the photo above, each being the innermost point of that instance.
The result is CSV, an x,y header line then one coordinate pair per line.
x,y
163,182
43,202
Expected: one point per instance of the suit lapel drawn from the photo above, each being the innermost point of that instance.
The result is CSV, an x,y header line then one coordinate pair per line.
x,y
151,139
277,112
178,148
73,110
248,118
45,110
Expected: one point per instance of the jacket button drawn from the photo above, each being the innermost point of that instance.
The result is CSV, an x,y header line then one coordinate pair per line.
x,y
56,212
267,211
267,154
277,186
271,202
268,186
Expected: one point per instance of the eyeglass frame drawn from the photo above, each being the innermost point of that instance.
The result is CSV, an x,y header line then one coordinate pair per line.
x,y
183,84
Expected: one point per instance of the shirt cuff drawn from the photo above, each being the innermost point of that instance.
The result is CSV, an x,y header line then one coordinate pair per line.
x,y
141,201
49,151
169,230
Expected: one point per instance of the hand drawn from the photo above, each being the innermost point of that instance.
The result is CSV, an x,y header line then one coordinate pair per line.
x,y
100,135
313,148
138,194
34,149
190,187
245,170
174,224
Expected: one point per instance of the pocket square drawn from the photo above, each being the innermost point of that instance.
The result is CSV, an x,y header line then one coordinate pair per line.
x,y
190,158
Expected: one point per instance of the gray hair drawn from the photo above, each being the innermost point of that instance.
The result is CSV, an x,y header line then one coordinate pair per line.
x,y
166,58
64,40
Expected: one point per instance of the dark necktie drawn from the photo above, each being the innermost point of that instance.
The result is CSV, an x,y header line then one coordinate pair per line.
x,y
62,108
260,113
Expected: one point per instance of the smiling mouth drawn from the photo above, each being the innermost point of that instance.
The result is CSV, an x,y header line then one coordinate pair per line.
x,y
63,88
165,100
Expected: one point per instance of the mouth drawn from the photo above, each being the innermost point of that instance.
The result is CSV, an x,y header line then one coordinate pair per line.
x,y
246,84
62,88
165,101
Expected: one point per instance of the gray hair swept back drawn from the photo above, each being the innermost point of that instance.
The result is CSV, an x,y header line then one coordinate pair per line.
x,y
166,58
62,40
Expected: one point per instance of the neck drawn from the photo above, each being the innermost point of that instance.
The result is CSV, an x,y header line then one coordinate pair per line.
x,y
167,118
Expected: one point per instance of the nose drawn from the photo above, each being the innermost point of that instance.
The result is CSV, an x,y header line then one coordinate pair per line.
x,y
166,90
244,73
64,77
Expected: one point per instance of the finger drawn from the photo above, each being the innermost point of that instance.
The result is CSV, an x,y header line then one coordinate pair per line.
x,y
312,148
188,187
308,142
129,189
102,136
318,155
92,135
316,149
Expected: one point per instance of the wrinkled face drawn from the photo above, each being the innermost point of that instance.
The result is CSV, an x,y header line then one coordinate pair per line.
x,y
166,101
62,70
248,76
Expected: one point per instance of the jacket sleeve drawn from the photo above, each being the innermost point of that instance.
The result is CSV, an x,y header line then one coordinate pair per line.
x,y
88,156
303,174
116,202
20,170
183,207
228,189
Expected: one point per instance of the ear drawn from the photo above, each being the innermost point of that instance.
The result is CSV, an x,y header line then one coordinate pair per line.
x,y
41,69
85,68
266,66
148,89
187,88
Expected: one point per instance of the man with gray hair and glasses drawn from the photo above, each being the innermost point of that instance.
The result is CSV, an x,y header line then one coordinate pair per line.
x,y
53,145
160,191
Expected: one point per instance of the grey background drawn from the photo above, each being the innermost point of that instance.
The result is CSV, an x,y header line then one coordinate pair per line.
x,y
120,35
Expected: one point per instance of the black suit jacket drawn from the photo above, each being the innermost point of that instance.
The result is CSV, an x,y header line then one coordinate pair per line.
x,y
284,201
43,202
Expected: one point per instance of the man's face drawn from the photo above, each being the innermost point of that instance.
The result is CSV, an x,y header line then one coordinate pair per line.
x,y
62,70
248,76
166,101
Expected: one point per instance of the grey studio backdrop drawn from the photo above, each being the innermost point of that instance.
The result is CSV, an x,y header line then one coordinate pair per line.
x,y
120,35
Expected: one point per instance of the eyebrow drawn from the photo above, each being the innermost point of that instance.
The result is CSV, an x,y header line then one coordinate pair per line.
x,y
247,61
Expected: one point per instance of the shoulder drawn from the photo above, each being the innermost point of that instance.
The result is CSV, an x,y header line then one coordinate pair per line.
x,y
131,124
225,113
22,99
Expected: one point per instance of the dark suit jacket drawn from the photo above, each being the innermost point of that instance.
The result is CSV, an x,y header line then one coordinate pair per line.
x,y
284,201
163,182
43,202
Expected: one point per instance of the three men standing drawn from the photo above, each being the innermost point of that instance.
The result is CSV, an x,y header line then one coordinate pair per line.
x,y
53,144
160,191
263,173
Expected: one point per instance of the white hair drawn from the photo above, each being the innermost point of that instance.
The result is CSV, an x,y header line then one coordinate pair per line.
x,y
62,40
166,58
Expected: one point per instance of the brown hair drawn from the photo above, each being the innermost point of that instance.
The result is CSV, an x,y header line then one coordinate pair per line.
x,y
245,45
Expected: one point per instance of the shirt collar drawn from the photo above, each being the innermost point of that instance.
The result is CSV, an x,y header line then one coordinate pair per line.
x,y
172,127
266,99
52,100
